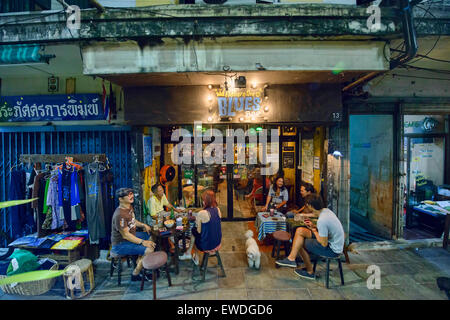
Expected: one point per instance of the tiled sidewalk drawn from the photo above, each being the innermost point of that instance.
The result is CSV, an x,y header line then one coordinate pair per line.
x,y
405,274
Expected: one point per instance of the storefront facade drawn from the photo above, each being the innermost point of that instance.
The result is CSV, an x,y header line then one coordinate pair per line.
x,y
293,119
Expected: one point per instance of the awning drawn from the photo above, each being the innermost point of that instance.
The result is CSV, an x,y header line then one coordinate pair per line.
x,y
23,53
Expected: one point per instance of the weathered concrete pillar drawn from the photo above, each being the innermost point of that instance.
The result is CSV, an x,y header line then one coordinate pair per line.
x,y
136,165
338,179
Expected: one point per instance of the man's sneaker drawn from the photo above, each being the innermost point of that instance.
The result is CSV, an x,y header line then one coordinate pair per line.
x,y
304,274
185,257
286,263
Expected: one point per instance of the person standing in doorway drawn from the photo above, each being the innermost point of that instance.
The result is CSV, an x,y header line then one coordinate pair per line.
x,y
124,238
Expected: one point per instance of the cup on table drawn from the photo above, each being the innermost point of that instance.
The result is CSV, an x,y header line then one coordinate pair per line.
x,y
272,212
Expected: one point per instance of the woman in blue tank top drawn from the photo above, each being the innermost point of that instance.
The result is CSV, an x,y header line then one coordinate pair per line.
x,y
208,231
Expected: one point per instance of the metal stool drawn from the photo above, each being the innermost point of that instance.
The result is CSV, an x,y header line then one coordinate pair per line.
x,y
81,266
116,258
154,261
280,237
327,260
204,264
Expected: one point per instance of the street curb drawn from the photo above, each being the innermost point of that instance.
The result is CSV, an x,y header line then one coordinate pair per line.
x,y
395,244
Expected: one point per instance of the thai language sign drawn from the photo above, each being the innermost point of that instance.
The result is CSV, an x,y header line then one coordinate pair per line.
x,y
51,108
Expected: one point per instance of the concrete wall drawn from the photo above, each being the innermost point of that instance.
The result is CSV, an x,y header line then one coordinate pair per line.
x,y
371,172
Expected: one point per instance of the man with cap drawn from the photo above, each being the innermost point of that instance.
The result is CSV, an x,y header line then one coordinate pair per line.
x,y
124,238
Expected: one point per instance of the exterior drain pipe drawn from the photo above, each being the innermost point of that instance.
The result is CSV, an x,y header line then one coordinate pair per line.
x,y
409,34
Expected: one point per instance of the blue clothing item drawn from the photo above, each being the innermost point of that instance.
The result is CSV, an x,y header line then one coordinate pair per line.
x,y
211,234
65,194
18,214
74,191
129,248
290,214
313,246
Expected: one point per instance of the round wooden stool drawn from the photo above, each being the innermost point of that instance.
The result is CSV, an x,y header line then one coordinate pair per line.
x,y
280,237
75,271
154,261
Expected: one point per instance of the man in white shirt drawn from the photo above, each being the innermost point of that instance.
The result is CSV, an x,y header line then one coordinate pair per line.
x,y
329,238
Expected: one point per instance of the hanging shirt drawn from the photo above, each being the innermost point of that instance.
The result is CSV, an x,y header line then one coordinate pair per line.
x,y
52,201
94,204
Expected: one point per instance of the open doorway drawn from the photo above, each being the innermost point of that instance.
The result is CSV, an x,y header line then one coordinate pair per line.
x,y
427,198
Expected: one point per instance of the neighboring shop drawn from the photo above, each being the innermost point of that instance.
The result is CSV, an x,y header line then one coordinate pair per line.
x,y
78,158
296,118
399,172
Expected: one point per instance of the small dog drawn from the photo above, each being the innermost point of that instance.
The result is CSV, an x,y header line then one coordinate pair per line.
x,y
253,254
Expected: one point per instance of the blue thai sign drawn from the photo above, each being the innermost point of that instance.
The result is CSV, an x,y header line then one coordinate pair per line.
x,y
51,108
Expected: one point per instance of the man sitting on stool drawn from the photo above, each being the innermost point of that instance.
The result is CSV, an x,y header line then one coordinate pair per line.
x,y
328,242
124,238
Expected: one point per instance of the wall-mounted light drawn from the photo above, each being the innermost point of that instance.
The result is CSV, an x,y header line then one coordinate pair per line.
x,y
266,85
241,119
210,98
254,85
210,119
240,82
266,108
210,86
266,98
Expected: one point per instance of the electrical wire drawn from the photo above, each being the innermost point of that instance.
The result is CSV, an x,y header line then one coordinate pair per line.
x,y
418,77
419,55
439,36
33,18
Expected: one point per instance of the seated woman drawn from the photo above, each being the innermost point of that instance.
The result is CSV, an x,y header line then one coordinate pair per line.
x,y
207,231
305,190
278,196
257,184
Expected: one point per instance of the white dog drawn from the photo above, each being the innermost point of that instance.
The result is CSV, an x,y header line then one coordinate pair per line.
x,y
253,254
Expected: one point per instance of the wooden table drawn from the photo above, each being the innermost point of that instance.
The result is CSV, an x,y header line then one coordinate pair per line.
x,y
63,257
162,241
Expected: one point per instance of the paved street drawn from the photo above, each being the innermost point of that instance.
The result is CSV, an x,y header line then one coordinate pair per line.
x,y
405,274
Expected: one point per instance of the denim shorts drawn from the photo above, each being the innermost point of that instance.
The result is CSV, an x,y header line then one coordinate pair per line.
x,y
130,248
313,246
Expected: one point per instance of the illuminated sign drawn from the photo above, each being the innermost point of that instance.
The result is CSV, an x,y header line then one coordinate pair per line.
x,y
234,102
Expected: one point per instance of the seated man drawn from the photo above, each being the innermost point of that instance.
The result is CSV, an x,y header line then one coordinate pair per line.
x,y
158,200
124,238
305,190
328,242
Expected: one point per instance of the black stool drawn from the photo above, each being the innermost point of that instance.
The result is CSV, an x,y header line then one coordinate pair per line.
x,y
204,264
116,258
280,237
327,260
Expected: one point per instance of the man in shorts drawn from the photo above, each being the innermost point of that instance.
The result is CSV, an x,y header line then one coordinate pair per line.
x,y
124,238
329,238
